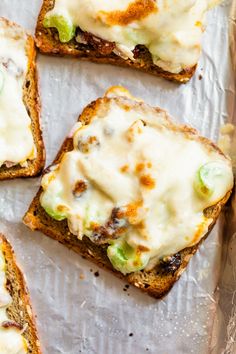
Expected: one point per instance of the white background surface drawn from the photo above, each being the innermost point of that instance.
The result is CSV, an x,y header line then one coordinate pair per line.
x,y
95,315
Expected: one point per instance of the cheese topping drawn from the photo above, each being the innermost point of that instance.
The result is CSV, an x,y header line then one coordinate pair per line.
x,y
170,29
11,339
16,139
136,177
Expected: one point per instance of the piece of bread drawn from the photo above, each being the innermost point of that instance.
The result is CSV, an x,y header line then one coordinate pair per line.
x,y
156,282
19,311
32,103
48,43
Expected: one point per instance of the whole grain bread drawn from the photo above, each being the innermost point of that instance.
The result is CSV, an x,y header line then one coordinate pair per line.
x,y
48,42
32,102
20,310
156,282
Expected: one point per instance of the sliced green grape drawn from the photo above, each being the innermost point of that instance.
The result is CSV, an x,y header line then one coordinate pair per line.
x,y
50,205
1,81
59,216
64,25
207,178
125,258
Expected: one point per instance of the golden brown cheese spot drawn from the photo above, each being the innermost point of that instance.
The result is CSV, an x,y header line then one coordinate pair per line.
x,y
141,225
92,139
79,187
134,130
147,181
131,210
141,248
86,145
125,107
139,167
62,208
136,11
94,226
124,168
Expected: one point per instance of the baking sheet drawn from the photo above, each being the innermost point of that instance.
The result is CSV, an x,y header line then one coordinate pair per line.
x,y
80,310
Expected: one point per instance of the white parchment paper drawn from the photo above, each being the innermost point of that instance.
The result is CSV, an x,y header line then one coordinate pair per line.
x,y
78,312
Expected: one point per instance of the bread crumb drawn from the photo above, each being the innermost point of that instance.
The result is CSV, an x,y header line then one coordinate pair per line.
x,y
83,303
82,276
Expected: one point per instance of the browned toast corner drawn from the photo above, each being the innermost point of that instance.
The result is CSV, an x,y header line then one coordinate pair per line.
x,y
48,43
156,282
20,310
32,102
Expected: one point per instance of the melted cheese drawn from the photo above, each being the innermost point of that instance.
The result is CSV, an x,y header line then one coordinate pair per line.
x,y
146,168
170,29
16,139
11,339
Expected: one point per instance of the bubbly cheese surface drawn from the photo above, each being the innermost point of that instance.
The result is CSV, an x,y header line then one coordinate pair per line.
x,y
170,29
16,139
11,339
131,159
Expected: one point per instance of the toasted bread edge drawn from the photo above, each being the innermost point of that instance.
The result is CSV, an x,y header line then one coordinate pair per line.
x,y
32,102
20,309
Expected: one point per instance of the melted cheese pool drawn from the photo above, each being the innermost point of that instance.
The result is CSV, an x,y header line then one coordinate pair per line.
x,y
131,161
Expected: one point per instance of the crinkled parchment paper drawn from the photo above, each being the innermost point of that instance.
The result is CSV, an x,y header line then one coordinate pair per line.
x,y
78,312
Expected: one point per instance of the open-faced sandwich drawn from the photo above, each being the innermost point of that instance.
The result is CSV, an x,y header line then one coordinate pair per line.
x,y
133,191
159,37
21,144
18,333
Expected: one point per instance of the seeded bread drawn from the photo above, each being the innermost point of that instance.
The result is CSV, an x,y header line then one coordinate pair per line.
x,y
20,310
32,103
48,43
156,282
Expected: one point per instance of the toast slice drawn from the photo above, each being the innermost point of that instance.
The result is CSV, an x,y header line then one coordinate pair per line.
x,y
48,42
32,166
19,313
158,280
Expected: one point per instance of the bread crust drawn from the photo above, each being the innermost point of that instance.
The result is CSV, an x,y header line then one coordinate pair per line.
x,y
20,309
32,102
48,43
156,282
